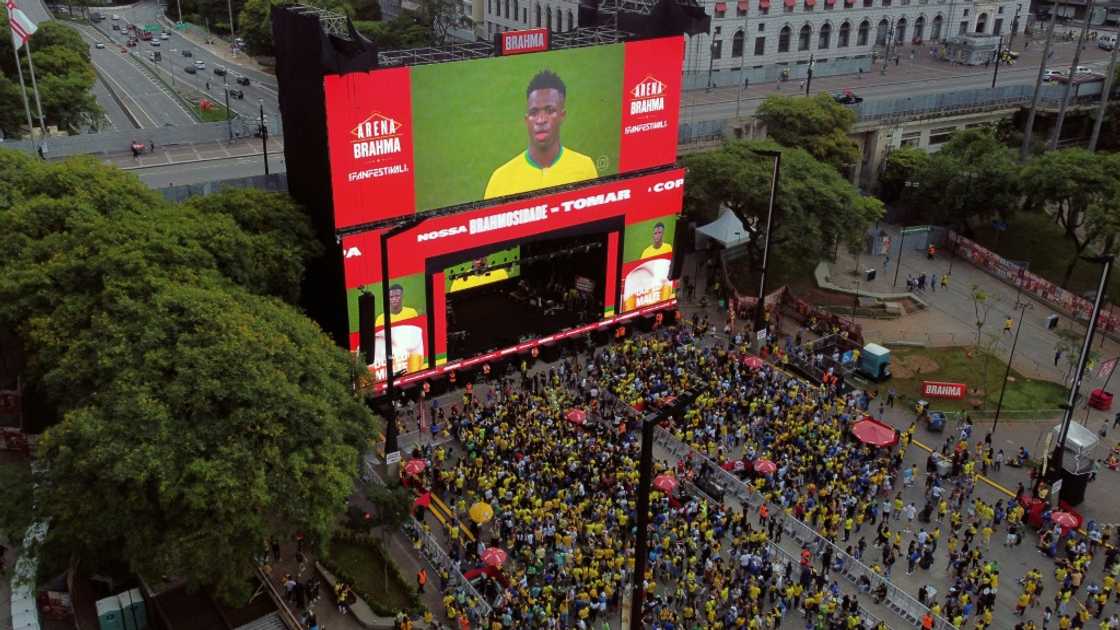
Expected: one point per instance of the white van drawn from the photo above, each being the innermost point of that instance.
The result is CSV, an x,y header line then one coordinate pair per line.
x,y
1107,41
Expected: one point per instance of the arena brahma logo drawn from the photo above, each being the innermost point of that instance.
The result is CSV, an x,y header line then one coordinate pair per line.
x,y
376,136
647,96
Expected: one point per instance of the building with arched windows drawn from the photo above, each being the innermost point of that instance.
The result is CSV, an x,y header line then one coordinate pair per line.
x,y
512,15
764,40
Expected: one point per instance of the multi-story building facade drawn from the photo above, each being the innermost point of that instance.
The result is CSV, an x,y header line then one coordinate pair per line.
x,y
764,40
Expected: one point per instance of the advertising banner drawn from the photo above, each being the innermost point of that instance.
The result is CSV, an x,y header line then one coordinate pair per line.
x,y
646,208
939,389
414,139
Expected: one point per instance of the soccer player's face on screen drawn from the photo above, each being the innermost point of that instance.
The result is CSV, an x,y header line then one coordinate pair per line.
x,y
658,235
396,297
543,118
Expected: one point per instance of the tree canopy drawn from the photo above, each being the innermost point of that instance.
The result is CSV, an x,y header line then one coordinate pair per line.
x,y
65,76
1081,191
408,30
815,209
816,124
201,414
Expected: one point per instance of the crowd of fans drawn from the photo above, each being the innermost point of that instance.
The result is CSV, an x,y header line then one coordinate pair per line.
x,y
564,495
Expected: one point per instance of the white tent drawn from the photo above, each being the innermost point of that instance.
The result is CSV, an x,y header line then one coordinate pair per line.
x,y
727,230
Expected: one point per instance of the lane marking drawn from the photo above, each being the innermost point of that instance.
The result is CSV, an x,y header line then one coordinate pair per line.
x,y
126,94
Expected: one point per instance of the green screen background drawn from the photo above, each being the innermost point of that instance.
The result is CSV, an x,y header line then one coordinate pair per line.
x,y
640,236
468,117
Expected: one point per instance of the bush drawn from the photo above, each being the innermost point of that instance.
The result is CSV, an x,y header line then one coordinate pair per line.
x,y
375,602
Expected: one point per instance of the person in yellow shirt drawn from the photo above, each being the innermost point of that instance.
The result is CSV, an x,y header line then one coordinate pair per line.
x,y
397,310
659,246
546,162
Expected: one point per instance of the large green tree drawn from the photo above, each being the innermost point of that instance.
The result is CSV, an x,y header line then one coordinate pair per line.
x,y
974,177
65,76
1081,191
815,209
201,415
274,240
817,124
900,171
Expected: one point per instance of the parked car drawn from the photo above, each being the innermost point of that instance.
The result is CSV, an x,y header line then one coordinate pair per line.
x,y
1106,41
241,79
190,70
1052,74
220,71
116,17
116,27
131,43
236,93
155,43
200,64
99,45
187,53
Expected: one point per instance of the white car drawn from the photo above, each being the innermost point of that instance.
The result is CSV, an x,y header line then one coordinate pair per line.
x,y
165,35
1052,74
200,64
99,45
116,17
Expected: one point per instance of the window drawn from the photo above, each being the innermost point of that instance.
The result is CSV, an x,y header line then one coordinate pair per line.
x,y
783,39
538,15
886,3
966,12
997,27
717,30
1000,10
881,32
717,49
759,46
867,4
741,8
919,28
803,37
571,20
824,38
900,31
963,29
940,136
982,23
762,27
911,138
845,35
737,43
864,32
525,15
788,7
936,32
721,9
548,13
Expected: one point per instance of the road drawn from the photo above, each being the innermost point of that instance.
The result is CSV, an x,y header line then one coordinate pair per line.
x,y
200,172
917,77
150,102
261,89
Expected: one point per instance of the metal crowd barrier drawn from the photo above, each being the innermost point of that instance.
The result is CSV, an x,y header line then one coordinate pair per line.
x,y
435,554
869,619
898,600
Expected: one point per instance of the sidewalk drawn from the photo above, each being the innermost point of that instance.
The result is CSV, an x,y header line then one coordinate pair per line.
x,y
919,70
196,152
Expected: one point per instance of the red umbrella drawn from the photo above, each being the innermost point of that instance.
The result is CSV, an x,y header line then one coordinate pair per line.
x,y
665,483
752,362
576,416
871,431
765,466
424,500
494,557
414,467
1065,519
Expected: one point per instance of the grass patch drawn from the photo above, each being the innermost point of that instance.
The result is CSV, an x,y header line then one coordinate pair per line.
x,y
911,366
363,566
215,113
1037,238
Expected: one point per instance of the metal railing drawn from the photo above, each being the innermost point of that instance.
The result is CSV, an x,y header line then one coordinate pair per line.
x,y
430,547
898,600
870,620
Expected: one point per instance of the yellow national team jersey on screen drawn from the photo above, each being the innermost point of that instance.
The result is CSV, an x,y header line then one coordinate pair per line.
x,y
521,174
406,313
651,251
478,279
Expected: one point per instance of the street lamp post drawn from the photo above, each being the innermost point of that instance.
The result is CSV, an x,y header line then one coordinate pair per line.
x,y
711,64
1075,386
999,52
1023,308
229,114
645,479
775,174
1014,27
264,135
809,79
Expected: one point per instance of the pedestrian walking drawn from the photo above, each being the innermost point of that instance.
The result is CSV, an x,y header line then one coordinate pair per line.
x,y
861,74
890,397
1007,325
421,579
933,282
945,281
1057,357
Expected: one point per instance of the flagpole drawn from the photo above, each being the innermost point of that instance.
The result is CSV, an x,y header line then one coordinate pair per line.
x,y
23,90
38,103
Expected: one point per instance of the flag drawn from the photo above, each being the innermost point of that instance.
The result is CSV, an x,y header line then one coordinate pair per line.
x,y
22,26
1107,367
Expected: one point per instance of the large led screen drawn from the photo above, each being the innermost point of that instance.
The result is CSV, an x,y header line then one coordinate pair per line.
x,y
582,257
413,139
